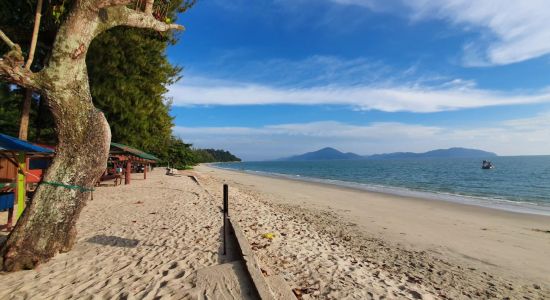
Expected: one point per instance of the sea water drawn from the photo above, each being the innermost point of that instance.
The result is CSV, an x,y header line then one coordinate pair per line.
x,y
519,183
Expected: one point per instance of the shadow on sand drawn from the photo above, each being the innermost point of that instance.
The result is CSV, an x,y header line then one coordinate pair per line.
x,y
115,241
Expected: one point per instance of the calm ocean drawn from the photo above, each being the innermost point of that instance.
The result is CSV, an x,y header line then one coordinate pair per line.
x,y
520,183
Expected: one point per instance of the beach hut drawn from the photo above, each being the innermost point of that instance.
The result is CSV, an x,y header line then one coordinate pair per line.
x,y
133,159
13,171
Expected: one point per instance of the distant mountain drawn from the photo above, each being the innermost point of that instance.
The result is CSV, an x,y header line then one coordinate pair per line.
x,y
329,153
323,154
440,153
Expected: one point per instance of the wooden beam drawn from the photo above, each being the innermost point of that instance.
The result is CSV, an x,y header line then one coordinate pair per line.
x,y
128,174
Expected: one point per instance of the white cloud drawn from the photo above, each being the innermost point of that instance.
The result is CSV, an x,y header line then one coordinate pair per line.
x,y
514,137
515,30
520,27
454,95
314,70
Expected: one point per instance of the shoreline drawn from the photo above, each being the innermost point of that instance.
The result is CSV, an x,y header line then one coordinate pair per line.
x,y
478,201
157,238
508,244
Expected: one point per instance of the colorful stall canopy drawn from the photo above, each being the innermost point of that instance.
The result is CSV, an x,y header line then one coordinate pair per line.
x,y
12,144
16,151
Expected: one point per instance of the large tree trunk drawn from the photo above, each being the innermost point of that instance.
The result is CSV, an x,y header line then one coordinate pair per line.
x,y
47,226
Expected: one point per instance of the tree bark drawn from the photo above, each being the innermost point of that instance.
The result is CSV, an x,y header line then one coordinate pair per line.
x,y
47,226
25,112
149,6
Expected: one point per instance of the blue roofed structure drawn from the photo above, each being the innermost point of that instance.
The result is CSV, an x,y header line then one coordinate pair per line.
x,y
12,144
16,190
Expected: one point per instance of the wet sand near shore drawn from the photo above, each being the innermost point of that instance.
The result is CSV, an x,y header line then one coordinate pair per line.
x,y
334,242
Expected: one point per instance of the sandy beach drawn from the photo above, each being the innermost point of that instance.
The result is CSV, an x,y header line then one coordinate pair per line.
x,y
274,150
141,241
336,243
147,240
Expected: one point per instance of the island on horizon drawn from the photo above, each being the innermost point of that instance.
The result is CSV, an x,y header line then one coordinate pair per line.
x,y
329,153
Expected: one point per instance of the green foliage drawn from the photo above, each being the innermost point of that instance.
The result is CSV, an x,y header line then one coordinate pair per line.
x,y
17,21
129,74
10,107
179,154
202,156
213,155
40,120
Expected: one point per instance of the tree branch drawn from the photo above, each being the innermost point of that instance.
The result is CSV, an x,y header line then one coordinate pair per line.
x,y
149,7
123,16
13,71
109,3
37,17
7,40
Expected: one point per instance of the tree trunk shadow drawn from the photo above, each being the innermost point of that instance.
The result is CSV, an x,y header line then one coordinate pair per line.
x,y
114,241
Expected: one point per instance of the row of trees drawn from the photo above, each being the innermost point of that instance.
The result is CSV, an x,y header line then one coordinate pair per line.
x,y
215,155
181,155
170,149
121,45
129,73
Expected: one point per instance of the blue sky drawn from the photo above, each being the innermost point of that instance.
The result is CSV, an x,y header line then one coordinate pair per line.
x,y
271,78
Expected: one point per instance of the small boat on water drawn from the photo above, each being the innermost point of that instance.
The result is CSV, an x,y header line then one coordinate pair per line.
x,y
487,165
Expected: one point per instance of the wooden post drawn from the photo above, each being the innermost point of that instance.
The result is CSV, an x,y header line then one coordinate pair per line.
x,y
10,218
145,171
21,190
226,199
225,214
25,112
128,172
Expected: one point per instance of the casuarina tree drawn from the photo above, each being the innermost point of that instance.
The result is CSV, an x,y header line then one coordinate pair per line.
x,y
47,226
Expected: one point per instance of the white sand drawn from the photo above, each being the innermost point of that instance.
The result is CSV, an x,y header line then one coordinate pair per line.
x,y
338,243
144,241
148,240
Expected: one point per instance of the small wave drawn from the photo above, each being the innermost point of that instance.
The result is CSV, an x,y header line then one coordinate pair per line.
x,y
495,202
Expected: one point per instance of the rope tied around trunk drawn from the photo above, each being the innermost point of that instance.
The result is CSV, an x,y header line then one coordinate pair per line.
x,y
68,186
